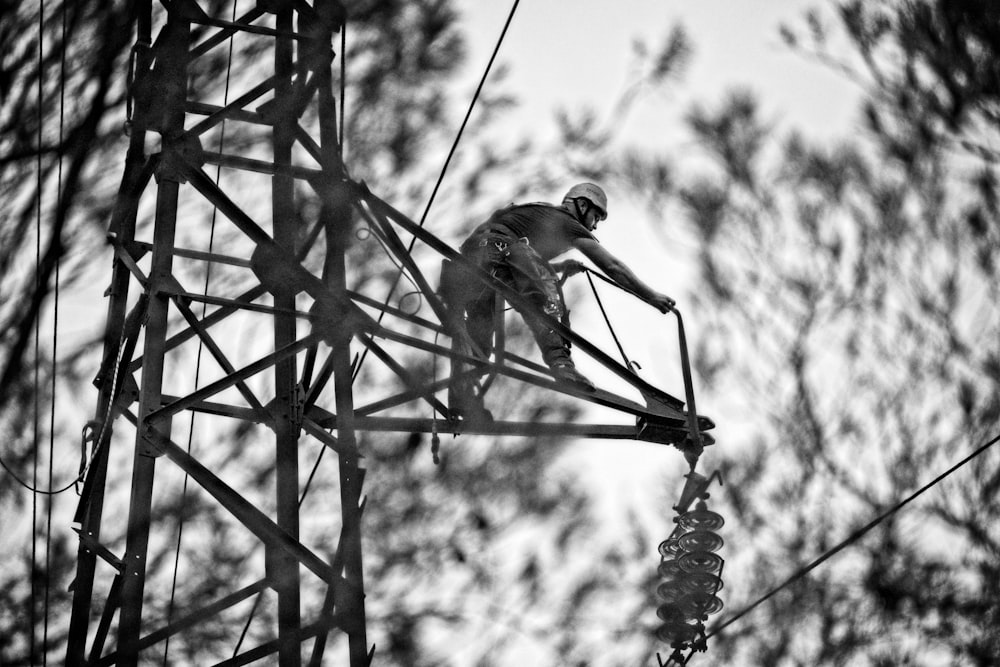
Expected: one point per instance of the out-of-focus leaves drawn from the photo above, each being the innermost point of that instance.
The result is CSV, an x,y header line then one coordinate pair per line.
x,y
862,298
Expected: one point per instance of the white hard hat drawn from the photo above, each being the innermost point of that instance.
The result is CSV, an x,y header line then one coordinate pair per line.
x,y
592,193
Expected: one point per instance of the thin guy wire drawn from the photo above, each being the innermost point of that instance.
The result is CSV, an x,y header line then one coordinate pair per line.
x,y
38,259
614,335
444,168
853,537
343,86
55,334
201,347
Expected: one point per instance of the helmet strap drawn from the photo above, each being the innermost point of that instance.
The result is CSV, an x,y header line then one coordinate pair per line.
x,y
580,215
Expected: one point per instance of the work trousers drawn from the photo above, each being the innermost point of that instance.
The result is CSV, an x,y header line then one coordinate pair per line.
x,y
515,263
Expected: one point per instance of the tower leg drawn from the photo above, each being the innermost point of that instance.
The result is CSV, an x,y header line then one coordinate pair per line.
x,y
285,568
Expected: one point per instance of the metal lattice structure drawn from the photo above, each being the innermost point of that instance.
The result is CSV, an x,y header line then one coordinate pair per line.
x,y
299,385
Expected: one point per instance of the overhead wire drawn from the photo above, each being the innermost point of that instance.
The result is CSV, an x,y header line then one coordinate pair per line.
x,y
447,162
39,183
55,331
853,537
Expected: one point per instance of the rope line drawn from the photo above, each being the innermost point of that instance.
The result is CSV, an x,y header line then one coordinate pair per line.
x,y
82,475
343,86
607,320
853,537
447,162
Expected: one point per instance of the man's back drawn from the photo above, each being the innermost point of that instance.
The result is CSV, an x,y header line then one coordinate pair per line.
x,y
550,230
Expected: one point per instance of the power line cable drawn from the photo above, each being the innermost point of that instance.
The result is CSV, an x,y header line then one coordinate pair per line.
x,y
38,259
853,537
55,332
447,162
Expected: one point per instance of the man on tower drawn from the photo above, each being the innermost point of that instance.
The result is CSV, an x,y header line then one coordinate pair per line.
x,y
516,246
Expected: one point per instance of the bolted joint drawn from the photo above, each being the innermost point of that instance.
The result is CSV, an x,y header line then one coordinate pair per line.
x,y
178,156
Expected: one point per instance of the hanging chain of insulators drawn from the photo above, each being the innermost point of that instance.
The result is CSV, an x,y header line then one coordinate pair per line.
x,y
690,570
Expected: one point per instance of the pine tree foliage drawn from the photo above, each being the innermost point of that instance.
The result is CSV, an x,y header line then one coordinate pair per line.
x,y
853,291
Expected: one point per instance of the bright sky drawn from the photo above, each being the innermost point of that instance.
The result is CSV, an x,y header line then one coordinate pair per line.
x,y
562,53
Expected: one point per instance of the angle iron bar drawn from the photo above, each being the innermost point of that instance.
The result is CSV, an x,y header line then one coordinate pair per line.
x,y
284,331
403,397
224,34
312,284
600,396
194,618
174,48
131,264
219,409
308,143
213,257
214,119
396,245
213,193
331,441
688,384
242,509
515,299
319,383
241,115
255,29
397,312
211,319
239,305
324,624
329,599
499,428
224,383
304,88
88,540
329,602
111,392
308,367
111,606
221,358
404,374
134,182
380,224
260,166
217,316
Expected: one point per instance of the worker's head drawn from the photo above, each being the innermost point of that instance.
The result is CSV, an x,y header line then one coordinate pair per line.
x,y
588,203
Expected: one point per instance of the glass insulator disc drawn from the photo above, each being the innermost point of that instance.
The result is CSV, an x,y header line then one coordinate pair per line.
x,y
670,591
700,540
668,548
699,561
700,604
671,569
678,632
701,582
700,519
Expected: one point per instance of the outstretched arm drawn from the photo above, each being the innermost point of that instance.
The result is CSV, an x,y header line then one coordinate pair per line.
x,y
618,271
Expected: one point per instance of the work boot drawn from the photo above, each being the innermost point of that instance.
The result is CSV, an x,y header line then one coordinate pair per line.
x,y
555,353
565,370
468,407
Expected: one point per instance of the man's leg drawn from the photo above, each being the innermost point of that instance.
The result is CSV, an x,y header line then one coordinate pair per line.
x,y
458,289
535,279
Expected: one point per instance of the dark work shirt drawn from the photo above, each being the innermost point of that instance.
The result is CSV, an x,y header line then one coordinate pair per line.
x,y
550,230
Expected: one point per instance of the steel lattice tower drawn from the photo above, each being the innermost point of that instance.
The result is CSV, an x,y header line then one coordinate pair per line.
x,y
317,323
